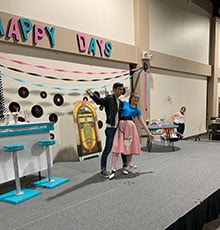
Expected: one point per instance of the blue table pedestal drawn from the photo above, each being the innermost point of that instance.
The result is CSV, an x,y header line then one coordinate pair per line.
x,y
13,198
52,183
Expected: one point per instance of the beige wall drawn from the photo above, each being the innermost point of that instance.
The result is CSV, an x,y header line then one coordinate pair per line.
x,y
184,59
112,19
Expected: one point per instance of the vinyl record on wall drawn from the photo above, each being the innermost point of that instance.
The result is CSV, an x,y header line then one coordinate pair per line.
x,y
53,117
58,99
52,136
23,92
14,107
43,94
37,111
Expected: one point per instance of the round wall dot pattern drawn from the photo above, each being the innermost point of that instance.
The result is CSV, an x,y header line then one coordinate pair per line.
x,y
43,94
14,107
53,117
37,111
58,99
23,92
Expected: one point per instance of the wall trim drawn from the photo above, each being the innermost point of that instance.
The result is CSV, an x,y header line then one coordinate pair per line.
x,y
172,63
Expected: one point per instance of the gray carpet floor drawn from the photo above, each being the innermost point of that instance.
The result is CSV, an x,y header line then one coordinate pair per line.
x,y
165,186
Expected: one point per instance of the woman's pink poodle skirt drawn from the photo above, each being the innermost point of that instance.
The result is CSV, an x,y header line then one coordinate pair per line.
x,y
126,139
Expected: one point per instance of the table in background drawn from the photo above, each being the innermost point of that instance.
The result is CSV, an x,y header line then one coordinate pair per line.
x,y
154,128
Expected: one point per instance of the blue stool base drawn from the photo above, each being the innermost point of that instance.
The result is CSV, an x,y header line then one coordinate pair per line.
x,y
56,181
12,198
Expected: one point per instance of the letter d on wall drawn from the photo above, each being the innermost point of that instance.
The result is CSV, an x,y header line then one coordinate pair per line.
x,y
82,44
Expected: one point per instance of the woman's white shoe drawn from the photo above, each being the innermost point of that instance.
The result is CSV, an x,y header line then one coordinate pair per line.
x,y
125,171
112,174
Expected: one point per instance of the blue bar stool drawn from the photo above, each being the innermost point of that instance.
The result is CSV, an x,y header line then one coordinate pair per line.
x,y
19,195
49,182
13,148
46,143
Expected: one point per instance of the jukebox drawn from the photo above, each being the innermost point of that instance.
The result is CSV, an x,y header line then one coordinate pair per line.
x,y
85,119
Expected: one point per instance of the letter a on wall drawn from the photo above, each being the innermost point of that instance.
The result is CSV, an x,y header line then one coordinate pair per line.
x,y
85,119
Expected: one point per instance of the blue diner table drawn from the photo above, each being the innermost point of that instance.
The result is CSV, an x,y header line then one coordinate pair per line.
x,y
32,158
154,129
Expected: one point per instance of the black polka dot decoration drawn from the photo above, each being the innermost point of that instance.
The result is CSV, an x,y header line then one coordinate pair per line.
x,y
53,117
85,98
52,136
21,119
37,111
14,107
100,124
58,99
23,92
43,94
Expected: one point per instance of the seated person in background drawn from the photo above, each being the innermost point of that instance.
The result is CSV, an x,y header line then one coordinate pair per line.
x,y
168,134
179,119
